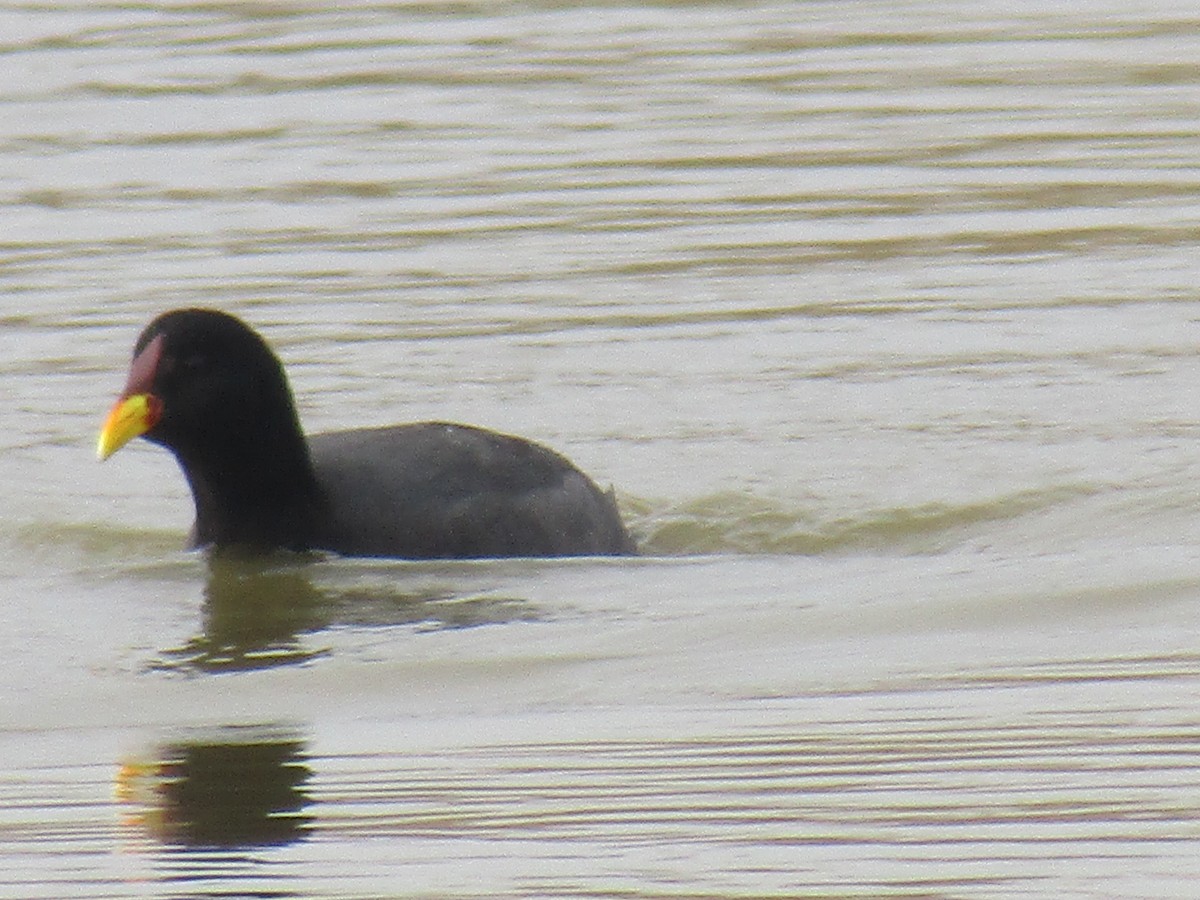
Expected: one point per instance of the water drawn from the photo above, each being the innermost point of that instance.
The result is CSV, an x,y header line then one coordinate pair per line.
x,y
881,318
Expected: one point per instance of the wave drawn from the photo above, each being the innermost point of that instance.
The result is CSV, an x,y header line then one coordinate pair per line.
x,y
744,523
722,523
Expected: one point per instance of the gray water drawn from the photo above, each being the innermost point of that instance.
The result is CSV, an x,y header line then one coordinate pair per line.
x,y
881,318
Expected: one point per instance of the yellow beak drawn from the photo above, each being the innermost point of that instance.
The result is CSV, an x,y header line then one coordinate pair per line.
x,y
131,416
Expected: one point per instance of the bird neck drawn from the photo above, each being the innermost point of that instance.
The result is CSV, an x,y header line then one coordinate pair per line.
x,y
260,491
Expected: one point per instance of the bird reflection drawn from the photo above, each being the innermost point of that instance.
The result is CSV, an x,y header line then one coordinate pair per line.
x,y
256,614
231,788
265,611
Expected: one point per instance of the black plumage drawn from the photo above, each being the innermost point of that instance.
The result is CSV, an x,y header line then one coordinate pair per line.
x,y
207,387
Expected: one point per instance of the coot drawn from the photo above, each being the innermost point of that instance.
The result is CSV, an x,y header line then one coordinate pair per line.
x,y
208,388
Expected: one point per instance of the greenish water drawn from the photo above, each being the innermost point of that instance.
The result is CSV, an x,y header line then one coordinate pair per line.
x,y
880,318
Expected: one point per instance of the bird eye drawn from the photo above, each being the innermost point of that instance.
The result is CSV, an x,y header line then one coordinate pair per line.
x,y
193,362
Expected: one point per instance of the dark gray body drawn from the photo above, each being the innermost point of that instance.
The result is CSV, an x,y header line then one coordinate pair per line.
x,y
440,490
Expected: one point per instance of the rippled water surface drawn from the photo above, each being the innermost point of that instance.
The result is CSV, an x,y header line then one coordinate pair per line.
x,y
882,319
